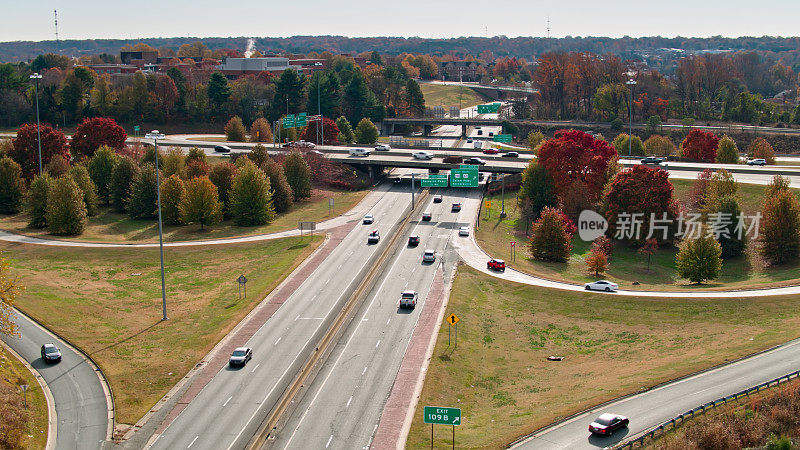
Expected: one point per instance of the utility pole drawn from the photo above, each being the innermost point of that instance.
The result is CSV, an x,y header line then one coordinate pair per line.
x,y
155,136
630,83
37,77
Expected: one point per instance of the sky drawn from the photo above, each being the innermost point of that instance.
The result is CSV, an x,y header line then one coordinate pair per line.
x,y
93,19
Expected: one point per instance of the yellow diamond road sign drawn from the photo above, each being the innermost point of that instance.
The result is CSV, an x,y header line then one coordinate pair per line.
x,y
452,319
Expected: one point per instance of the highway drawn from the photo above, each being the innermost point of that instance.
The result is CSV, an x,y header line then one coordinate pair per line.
x,y
227,412
80,401
651,408
343,405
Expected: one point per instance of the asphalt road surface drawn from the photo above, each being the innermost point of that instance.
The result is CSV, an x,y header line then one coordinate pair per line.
x,y
80,400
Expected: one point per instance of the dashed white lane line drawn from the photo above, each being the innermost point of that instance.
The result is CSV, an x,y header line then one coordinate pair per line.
x,y
329,442
226,401
279,339
329,280
388,320
192,443
364,371
378,343
254,368
348,401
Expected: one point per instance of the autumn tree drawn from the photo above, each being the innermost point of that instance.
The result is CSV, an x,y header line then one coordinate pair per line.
x,y
200,203
623,140
260,131
535,139
36,201
298,174
251,202
234,130
125,171
346,135
80,175
173,162
9,291
329,129
195,168
57,166
699,259
649,248
66,212
727,151
780,228
575,155
95,132
778,184
550,240
101,168
366,132
536,191
700,145
221,174
195,154
597,262
660,146
172,192
10,186
279,186
761,149
26,148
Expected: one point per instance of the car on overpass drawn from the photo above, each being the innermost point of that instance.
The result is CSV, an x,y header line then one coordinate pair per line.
x,y
359,152
491,151
757,162
422,154
383,147
607,424
474,160
652,160
222,149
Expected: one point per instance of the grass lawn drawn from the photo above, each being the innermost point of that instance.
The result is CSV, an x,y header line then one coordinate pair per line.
x,y
627,265
12,374
108,302
448,95
110,226
500,378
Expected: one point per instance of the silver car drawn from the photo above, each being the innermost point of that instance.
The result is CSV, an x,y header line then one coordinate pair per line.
x,y
429,256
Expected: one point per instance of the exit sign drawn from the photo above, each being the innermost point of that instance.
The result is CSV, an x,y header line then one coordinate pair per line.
x,y
442,415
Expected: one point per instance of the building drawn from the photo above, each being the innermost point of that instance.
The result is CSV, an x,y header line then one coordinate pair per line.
x,y
139,58
308,65
113,69
234,68
459,70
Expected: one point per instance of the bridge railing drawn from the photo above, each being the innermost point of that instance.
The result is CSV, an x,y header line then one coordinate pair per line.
x,y
680,419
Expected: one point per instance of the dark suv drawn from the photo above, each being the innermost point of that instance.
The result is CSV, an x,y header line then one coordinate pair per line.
x,y
456,207
51,353
413,241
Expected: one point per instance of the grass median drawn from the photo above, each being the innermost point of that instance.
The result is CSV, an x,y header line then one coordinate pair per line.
x,y
448,95
108,302
110,226
499,375
23,417
627,265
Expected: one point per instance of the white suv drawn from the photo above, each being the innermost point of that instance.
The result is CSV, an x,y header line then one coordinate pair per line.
x,y
359,152
408,299
422,154
383,147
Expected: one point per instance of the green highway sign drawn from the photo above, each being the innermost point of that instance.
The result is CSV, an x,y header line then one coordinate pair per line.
x,y
468,167
463,178
136,128
434,181
489,109
502,138
442,416
301,120
288,121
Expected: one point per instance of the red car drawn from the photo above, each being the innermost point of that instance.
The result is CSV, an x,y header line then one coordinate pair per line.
x,y
496,264
607,424
491,151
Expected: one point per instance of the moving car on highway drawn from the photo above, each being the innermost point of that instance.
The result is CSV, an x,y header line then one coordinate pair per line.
x,y
374,237
437,199
51,353
413,240
241,356
510,155
474,160
491,151
408,299
463,231
368,219
359,152
383,147
456,207
652,160
601,285
607,424
429,256
422,154
496,264
222,149
757,162
426,217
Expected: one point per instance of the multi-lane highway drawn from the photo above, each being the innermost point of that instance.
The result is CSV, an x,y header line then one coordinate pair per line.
x,y
79,397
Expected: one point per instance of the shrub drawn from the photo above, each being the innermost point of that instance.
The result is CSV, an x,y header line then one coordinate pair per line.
x,y
80,174
172,192
780,228
699,190
777,184
760,148
66,212
234,130
623,140
26,149
279,186
173,163
125,171
10,186
721,184
535,139
93,133
259,155
36,202
366,132
700,145
101,168
195,154
143,203
346,134
550,240
727,151
251,202
57,166
596,262
260,131
200,203
221,174
699,259
149,156
298,174
657,145
616,124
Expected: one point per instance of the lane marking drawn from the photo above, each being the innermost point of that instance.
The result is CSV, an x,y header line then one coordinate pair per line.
x,y
348,401
254,368
329,442
279,339
226,401
192,443
378,343
364,371
329,280
340,266
388,320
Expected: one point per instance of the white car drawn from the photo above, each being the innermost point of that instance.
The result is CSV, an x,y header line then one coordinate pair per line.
x,y
463,231
383,147
757,162
601,285
368,219
422,154
359,152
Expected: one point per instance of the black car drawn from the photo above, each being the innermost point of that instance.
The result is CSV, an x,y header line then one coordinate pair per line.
x,y
426,217
51,353
222,149
437,199
652,160
607,424
511,155
476,161
413,241
456,207
241,356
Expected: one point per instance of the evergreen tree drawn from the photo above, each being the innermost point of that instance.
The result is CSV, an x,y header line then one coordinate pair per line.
x,y
143,203
172,192
281,190
66,212
80,175
290,92
251,202
37,201
221,174
101,168
10,186
699,259
218,92
537,191
298,174
366,132
200,203
359,101
726,217
125,171
346,135
414,98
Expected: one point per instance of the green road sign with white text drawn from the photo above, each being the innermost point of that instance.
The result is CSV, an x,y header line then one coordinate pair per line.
x,y
288,121
302,121
434,181
136,128
468,167
463,178
502,138
442,416
491,108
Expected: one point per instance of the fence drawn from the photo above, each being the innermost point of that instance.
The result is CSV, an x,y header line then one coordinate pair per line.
x,y
680,419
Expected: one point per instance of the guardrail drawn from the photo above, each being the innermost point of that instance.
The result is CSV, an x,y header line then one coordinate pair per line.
x,y
680,419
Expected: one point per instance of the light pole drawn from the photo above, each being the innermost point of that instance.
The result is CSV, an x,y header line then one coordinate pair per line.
x,y
321,125
631,82
37,77
155,136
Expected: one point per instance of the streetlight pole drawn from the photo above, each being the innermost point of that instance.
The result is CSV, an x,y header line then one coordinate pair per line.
x,y
631,82
319,108
37,77
155,136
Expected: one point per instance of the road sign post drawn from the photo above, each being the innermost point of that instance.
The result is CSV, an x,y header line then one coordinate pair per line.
x,y
288,121
463,178
330,206
452,320
434,180
513,248
442,416
242,280
306,226
302,120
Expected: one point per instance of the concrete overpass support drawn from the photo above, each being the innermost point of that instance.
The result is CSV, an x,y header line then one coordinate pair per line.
x,y
387,129
427,129
463,131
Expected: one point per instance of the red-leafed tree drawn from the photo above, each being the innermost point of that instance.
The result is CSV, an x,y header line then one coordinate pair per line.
x,y
329,129
26,149
97,131
574,155
638,198
700,145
